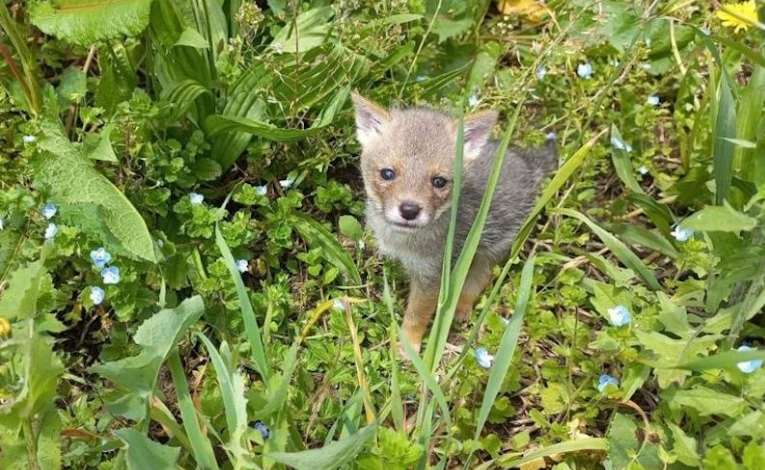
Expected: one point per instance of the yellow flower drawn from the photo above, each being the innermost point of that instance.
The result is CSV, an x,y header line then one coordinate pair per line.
x,y
531,9
738,15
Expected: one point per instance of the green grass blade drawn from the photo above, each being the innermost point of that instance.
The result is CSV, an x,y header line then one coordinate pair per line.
x,y
234,422
317,236
200,445
397,406
618,248
622,163
588,443
331,456
723,360
507,347
248,315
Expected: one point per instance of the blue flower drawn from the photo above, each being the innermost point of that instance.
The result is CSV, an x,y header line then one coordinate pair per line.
x,y
541,72
261,427
29,139
261,190
50,231
242,265
483,358
584,70
551,137
49,210
473,101
681,234
619,316
605,380
2,224
619,144
653,100
286,183
420,78
97,295
100,257
338,304
643,170
111,275
196,198
748,367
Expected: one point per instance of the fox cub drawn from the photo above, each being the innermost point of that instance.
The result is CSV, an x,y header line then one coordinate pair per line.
x,y
406,162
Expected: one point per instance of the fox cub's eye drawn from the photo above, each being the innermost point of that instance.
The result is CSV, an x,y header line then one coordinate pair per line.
x,y
387,174
439,182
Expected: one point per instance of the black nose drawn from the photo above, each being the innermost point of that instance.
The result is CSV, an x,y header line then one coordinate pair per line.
x,y
409,210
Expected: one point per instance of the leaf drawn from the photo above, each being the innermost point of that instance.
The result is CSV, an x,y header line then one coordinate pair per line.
x,y
707,401
684,447
190,37
333,455
350,227
309,30
19,299
747,144
85,22
251,327
218,124
587,443
622,163
723,360
72,181
722,218
622,441
318,237
182,96
103,150
73,85
619,249
142,453
724,127
157,336
507,347
636,235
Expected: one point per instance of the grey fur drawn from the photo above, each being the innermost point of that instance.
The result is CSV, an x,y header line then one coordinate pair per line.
x,y
426,135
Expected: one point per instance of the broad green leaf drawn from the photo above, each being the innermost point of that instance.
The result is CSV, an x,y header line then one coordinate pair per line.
x,y
73,85
218,124
333,455
514,460
141,453
350,227
707,401
190,37
309,30
85,22
103,150
723,360
622,163
673,316
684,446
724,128
619,249
19,299
72,181
721,218
622,441
182,96
507,347
319,237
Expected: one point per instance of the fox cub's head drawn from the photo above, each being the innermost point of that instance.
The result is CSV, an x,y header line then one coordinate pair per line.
x,y
407,157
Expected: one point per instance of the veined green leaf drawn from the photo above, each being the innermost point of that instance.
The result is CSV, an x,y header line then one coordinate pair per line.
x,y
85,22
723,360
333,455
515,460
622,163
316,235
721,218
142,453
309,30
218,124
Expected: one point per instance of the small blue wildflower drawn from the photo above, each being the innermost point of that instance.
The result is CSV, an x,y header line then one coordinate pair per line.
x,y
420,78
111,275
286,183
681,234
100,257
645,66
261,190
619,144
196,198
338,304
242,265
473,101
541,72
29,139
505,321
653,100
748,367
619,316
643,170
278,47
483,358
584,70
50,231
551,137
605,380
97,295
49,210
261,427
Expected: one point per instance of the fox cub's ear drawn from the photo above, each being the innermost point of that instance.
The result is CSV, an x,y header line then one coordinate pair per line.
x,y
478,128
370,119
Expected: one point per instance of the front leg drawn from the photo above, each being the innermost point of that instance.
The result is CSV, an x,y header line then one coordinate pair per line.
x,y
419,311
477,280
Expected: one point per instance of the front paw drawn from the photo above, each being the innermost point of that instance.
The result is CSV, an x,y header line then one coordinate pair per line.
x,y
415,343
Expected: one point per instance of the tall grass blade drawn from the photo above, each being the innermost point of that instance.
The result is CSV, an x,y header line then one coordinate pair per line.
x,y
507,347
248,315
397,406
510,461
333,455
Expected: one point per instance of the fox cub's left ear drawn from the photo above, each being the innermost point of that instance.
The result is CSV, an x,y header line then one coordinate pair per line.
x,y
478,128
370,119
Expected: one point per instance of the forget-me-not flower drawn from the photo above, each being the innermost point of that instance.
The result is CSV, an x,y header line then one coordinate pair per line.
x,y
605,380
338,304
750,366
261,190
29,139
643,170
242,265
97,295
100,257
286,183
653,100
50,231
473,101
619,316
111,275
483,358
196,198
49,210
584,70
681,234
619,144
261,427
541,72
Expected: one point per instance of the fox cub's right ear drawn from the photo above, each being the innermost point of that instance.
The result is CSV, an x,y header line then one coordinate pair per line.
x,y
370,119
